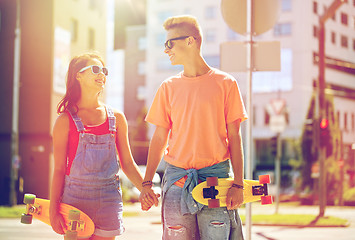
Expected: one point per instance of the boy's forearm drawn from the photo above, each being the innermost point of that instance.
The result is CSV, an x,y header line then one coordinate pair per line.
x,y
236,152
156,151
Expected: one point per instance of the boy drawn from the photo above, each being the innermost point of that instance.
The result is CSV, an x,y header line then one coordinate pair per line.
x,y
198,112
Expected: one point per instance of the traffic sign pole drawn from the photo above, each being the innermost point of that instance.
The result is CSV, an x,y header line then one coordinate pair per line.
x,y
249,165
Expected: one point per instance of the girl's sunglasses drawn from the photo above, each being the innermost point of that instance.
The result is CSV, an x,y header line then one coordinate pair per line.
x,y
169,43
95,69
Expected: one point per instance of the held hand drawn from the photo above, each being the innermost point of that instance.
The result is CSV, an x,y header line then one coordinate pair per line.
x,y
58,223
148,198
234,198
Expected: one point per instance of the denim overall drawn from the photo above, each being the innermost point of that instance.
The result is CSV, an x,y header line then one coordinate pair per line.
x,y
92,186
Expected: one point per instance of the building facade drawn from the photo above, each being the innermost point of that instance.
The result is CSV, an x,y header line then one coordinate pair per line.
x,y
296,29
52,32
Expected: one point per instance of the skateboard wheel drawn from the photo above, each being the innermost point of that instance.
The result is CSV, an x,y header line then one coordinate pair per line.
x,y
212,181
71,235
29,198
26,218
264,179
213,203
74,215
266,200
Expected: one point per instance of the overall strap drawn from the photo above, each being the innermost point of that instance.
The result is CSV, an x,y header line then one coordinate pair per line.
x,y
111,119
78,123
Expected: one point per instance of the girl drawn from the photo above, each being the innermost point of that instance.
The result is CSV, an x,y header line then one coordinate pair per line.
x,y
87,136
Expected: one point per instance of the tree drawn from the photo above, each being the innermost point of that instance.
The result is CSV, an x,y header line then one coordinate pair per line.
x,y
309,144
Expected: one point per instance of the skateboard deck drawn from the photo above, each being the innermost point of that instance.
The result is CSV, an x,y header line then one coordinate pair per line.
x,y
78,223
213,191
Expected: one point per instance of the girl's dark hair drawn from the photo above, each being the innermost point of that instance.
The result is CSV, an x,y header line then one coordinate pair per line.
x,y
73,90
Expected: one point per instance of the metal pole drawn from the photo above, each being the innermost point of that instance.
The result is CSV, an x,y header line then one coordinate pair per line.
x,y
15,110
249,163
321,87
278,171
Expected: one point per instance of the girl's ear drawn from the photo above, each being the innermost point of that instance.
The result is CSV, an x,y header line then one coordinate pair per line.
x,y
78,76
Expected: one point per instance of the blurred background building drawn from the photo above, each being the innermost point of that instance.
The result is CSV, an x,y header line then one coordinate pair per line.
x,y
130,36
51,32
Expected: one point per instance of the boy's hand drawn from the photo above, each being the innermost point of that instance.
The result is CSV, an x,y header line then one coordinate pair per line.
x,y
234,198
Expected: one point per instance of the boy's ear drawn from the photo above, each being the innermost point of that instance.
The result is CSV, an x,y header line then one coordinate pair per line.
x,y
190,40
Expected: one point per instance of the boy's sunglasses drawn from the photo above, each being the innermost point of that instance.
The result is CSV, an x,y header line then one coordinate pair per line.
x,y
95,69
169,43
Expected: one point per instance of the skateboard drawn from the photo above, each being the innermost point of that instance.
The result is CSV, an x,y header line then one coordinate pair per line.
x,y
213,191
78,223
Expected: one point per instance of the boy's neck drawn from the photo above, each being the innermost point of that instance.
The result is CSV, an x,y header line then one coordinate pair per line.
x,y
196,67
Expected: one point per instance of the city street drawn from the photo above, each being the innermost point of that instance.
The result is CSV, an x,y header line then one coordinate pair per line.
x,y
147,226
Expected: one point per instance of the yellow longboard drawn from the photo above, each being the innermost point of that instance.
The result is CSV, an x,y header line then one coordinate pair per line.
x,y
213,191
79,225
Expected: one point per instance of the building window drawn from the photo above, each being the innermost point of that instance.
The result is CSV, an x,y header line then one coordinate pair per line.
x,y
345,121
282,29
286,5
354,44
266,117
164,64
344,41
333,37
333,17
344,19
210,12
315,31
213,61
93,4
231,35
74,30
91,39
210,35
142,43
141,68
315,7
162,16
254,115
160,39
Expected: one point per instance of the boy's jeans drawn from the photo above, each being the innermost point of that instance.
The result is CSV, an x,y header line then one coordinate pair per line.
x,y
209,223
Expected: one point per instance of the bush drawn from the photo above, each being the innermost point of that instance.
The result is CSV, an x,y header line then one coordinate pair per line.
x,y
349,197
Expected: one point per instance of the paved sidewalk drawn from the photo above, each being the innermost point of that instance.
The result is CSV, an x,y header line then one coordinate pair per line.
x,y
147,225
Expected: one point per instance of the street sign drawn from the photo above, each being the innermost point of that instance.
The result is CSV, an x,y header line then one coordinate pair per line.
x,y
266,13
278,105
266,55
277,123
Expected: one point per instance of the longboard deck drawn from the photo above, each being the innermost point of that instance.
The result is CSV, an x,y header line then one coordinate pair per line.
x,y
253,191
39,209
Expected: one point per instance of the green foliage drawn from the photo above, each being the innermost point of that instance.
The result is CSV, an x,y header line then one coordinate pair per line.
x,y
12,212
349,195
310,151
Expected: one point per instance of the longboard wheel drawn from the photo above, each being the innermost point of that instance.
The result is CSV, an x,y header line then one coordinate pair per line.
x,y
29,198
71,235
26,218
213,203
266,200
263,179
212,181
74,215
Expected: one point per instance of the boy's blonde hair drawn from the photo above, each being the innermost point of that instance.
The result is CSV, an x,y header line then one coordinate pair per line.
x,y
185,24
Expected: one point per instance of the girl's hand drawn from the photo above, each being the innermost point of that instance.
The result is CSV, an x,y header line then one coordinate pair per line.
x,y
58,223
148,198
